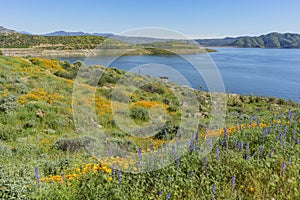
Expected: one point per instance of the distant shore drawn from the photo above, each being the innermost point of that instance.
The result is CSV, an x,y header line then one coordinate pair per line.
x,y
36,52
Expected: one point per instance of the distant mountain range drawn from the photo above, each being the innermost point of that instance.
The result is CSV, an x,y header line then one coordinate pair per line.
x,y
4,30
64,33
271,40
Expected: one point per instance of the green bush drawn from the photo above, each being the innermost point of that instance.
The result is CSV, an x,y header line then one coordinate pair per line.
x,y
8,103
139,113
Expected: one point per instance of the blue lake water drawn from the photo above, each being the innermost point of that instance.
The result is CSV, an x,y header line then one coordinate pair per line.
x,y
263,72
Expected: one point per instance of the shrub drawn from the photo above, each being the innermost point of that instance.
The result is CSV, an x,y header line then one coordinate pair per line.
x,y
73,145
8,103
139,113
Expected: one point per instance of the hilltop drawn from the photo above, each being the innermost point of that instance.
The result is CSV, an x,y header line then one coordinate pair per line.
x,y
16,44
271,40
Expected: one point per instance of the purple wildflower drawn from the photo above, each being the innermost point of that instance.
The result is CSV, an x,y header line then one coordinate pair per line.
x,y
226,137
247,151
113,171
168,195
204,163
232,182
119,177
260,150
236,142
37,176
197,136
63,177
294,135
214,191
283,169
191,174
217,153
241,146
264,132
192,144
160,193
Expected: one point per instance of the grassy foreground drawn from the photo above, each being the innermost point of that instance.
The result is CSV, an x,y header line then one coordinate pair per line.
x,y
255,156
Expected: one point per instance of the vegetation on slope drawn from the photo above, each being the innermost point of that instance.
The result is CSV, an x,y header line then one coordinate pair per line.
x,y
33,45
271,40
43,157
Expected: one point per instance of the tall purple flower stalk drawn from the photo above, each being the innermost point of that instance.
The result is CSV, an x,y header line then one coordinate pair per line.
x,y
247,151
236,144
214,191
241,146
119,177
204,163
283,169
37,176
264,133
232,183
63,177
260,150
113,171
192,145
217,154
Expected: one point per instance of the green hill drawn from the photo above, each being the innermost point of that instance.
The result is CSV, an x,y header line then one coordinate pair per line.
x,y
43,156
271,40
15,44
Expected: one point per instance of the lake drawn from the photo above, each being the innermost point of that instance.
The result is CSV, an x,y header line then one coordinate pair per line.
x,y
263,72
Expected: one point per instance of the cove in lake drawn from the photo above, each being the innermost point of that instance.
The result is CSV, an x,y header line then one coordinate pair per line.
x,y
262,72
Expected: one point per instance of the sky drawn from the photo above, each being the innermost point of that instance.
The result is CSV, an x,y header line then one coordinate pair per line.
x,y
195,18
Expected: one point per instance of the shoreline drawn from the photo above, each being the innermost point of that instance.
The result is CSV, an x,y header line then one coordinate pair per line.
x,y
35,52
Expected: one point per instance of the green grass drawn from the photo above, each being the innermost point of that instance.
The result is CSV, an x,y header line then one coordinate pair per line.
x,y
37,130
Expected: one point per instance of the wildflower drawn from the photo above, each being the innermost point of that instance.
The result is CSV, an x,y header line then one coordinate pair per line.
x,y
217,154
204,163
232,182
119,177
160,193
168,195
247,151
283,169
110,178
251,189
37,177
192,145
214,188
260,150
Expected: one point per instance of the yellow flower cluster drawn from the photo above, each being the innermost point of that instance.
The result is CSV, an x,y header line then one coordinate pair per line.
x,y
148,104
39,95
102,105
52,65
90,167
233,129
119,162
